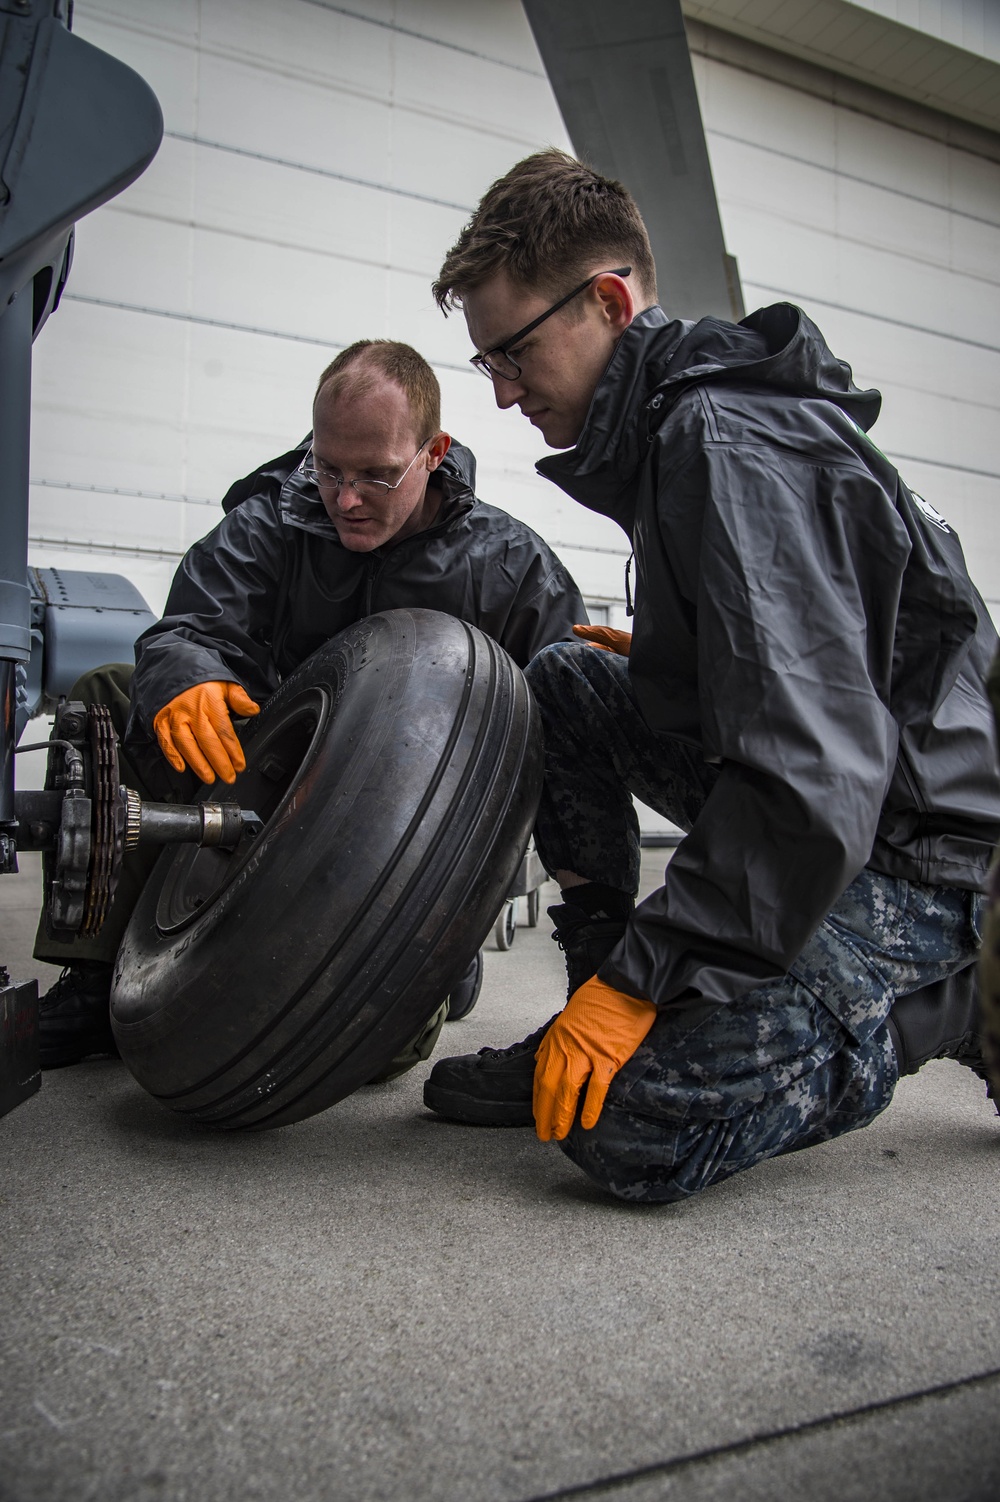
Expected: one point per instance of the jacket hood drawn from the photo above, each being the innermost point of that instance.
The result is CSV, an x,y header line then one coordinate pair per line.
x,y
302,506
657,359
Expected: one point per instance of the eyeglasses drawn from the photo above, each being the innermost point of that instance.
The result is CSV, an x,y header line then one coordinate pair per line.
x,y
497,361
371,490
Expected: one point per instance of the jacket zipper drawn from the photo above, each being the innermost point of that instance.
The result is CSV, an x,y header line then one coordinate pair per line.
x,y
375,566
923,843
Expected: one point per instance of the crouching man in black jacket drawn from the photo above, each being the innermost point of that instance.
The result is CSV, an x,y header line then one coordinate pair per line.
x,y
803,693
375,510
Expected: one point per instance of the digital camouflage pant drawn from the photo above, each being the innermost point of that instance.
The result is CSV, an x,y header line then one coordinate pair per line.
x,y
714,1088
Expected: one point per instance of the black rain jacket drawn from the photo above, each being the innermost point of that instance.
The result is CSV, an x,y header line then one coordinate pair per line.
x,y
803,619
273,581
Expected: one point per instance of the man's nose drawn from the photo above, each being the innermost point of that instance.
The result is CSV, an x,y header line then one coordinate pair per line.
x,y
348,498
506,393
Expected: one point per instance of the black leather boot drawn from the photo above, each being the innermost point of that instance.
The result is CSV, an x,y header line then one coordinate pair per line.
x,y
490,1088
465,995
585,942
494,1086
940,1021
74,1018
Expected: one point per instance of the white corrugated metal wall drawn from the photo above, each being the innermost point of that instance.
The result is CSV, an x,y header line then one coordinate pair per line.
x,y
318,161
891,242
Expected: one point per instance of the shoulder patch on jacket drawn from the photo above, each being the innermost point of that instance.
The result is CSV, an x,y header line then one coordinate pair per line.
x,y
932,514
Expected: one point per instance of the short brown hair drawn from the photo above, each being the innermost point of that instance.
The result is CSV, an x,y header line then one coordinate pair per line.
x,y
356,366
545,223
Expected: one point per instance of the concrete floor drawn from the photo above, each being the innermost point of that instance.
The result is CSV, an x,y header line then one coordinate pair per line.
x,y
374,1304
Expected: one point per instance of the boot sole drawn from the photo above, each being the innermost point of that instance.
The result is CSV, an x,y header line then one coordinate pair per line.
x,y
54,1055
470,1111
66,1060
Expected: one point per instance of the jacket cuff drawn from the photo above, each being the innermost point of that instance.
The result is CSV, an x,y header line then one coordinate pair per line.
x,y
612,976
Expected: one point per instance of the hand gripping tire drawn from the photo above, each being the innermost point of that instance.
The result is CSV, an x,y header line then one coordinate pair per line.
x,y
398,772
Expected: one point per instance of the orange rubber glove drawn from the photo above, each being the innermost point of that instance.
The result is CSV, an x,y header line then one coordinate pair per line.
x,y
606,638
194,730
598,1031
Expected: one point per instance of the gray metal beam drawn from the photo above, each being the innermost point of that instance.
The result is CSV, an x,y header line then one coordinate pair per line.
x,y
76,127
623,81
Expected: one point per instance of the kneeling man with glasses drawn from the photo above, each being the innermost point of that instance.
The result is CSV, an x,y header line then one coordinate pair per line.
x,y
375,510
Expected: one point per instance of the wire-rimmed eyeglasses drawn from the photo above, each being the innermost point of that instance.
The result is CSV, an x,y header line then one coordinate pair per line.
x,y
371,490
497,361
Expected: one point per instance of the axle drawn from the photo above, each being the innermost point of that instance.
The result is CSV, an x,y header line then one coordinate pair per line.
x,y
40,816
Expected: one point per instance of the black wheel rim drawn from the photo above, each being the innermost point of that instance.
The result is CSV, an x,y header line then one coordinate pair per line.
x,y
277,759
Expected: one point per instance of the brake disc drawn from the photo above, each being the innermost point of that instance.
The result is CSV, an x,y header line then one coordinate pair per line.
x,y
108,821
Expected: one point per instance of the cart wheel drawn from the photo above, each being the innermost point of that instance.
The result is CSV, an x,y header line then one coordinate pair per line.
x,y
534,906
506,924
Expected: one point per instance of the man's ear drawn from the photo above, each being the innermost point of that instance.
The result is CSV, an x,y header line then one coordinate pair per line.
x,y
613,295
436,450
